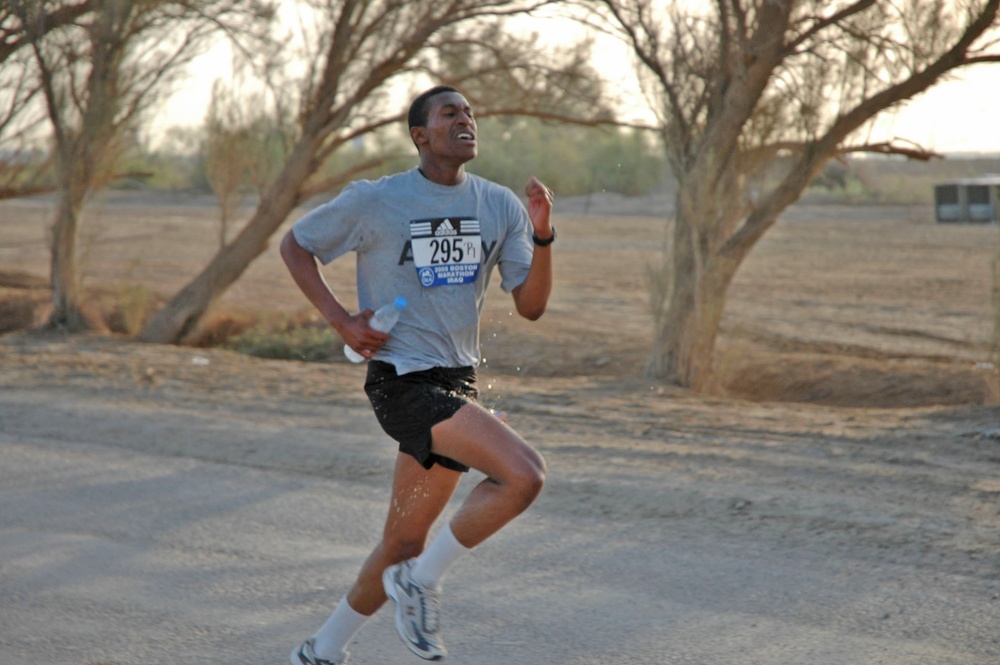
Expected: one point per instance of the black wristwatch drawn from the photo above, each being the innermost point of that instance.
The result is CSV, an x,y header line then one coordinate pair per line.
x,y
547,241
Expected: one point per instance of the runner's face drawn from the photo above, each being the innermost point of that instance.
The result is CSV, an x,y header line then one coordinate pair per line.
x,y
450,134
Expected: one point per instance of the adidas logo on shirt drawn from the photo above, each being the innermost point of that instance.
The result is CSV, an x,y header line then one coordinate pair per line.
x,y
446,229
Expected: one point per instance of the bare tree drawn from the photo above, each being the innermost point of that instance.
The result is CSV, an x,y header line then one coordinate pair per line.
x,y
46,17
741,86
363,50
229,154
98,72
24,166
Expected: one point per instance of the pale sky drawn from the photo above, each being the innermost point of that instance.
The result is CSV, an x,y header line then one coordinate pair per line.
x,y
956,116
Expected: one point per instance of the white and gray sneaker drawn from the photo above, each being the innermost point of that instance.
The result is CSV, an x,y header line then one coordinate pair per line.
x,y
417,612
305,655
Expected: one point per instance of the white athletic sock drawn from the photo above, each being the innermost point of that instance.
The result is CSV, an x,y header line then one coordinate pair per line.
x,y
430,567
338,631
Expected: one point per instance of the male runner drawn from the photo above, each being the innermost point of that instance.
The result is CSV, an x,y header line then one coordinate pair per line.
x,y
432,234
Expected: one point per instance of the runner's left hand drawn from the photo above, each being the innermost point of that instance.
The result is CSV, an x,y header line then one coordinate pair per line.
x,y
540,200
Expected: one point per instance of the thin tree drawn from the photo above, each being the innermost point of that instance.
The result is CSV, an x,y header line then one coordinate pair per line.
x,y
98,73
229,154
46,17
24,165
363,50
741,87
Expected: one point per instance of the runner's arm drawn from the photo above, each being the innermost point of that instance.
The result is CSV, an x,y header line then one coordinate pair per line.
x,y
354,329
532,296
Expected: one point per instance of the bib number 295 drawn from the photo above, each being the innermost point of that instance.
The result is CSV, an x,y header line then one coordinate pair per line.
x,y
447,250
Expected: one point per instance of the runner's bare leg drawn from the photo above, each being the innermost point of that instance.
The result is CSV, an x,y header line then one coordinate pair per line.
x,y
515,471
419,496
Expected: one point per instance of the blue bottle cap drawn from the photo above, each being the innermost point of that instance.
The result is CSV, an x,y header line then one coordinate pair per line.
x,y
399,302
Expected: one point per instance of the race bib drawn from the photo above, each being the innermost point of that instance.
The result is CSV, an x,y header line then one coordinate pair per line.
x,y
446,251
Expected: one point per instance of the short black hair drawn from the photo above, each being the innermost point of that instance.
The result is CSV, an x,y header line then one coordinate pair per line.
x,y
417,117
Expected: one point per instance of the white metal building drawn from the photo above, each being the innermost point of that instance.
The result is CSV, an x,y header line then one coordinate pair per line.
x,y
968,200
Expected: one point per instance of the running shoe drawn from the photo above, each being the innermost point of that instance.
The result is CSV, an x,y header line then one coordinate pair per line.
x,y
305,655
417,611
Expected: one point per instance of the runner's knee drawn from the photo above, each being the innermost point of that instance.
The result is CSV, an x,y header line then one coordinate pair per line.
x,y
528,480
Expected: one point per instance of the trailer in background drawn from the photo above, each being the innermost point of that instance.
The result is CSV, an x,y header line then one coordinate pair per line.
x,y
970,200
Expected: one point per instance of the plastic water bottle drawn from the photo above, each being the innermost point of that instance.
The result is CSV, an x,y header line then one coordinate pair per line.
x,y
382,320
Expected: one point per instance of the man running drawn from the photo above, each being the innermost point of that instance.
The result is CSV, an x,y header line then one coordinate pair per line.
x,y
433,235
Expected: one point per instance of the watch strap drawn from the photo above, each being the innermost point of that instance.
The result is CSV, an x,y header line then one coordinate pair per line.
x,y
544,242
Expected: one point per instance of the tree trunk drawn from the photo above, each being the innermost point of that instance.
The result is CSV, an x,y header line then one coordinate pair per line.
x,y
179,317
683,349
66,311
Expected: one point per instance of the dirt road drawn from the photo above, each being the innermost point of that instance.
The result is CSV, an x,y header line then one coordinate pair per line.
x,y
164,505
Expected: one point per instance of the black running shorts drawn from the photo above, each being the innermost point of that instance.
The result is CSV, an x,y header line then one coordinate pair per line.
x,y
408,406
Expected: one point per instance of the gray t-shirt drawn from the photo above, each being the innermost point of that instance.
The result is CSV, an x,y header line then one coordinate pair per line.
x,y
434,245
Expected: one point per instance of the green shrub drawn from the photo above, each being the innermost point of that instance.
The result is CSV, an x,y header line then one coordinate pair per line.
x,y
309,343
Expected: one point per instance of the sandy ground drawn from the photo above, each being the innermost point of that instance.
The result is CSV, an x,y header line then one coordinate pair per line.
x,y
835,503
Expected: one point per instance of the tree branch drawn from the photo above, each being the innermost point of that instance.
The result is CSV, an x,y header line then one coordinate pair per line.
x,y
14,38
835,19
913,151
